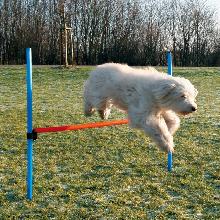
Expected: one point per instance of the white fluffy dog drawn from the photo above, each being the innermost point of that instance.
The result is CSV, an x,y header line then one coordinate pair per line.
x,y
151,99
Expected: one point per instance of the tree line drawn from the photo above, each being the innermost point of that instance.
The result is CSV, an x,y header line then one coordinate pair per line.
x,y
90,32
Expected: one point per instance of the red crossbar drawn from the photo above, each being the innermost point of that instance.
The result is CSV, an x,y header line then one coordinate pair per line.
x,y
80,126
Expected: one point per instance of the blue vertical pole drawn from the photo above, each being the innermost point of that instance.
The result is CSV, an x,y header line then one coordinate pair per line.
x,y
29,124
169,161
170,72
169,62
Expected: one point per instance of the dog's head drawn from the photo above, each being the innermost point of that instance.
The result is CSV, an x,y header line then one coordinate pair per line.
x,y
177,94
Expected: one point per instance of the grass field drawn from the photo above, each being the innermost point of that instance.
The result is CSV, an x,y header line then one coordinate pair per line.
x,y
108,173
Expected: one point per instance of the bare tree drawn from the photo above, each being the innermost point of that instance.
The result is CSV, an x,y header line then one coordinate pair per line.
x,y
133,32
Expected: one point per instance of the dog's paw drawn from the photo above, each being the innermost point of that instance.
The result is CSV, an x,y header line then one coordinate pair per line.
x,y
168,147
171,149
89,112
104,114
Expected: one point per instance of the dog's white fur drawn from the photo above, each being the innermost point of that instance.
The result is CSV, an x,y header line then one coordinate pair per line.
x,y
151,99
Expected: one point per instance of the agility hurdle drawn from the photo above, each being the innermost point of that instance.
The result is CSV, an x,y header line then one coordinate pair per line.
x,y
32,133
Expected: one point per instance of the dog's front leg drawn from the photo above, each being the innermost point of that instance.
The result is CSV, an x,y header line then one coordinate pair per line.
x,y
154,126
157,129
172,121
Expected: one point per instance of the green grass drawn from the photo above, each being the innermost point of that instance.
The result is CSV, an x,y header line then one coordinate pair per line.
x,y
108,173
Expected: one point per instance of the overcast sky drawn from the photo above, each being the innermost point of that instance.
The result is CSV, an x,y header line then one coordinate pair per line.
x,y
216,5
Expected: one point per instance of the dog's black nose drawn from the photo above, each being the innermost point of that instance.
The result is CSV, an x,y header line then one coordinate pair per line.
x,y
194,109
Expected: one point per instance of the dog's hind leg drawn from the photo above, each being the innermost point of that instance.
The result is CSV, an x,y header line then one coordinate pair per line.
x,y
104,109
88,108
172,121
89,99
104,114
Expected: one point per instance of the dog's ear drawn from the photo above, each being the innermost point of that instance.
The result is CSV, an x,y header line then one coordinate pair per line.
x,y
168,89
164,90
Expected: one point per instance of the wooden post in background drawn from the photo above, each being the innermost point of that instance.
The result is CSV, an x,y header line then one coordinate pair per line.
x,y
62,25
64,31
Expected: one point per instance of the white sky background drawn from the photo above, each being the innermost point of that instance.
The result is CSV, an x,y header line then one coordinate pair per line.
x,y
216,5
